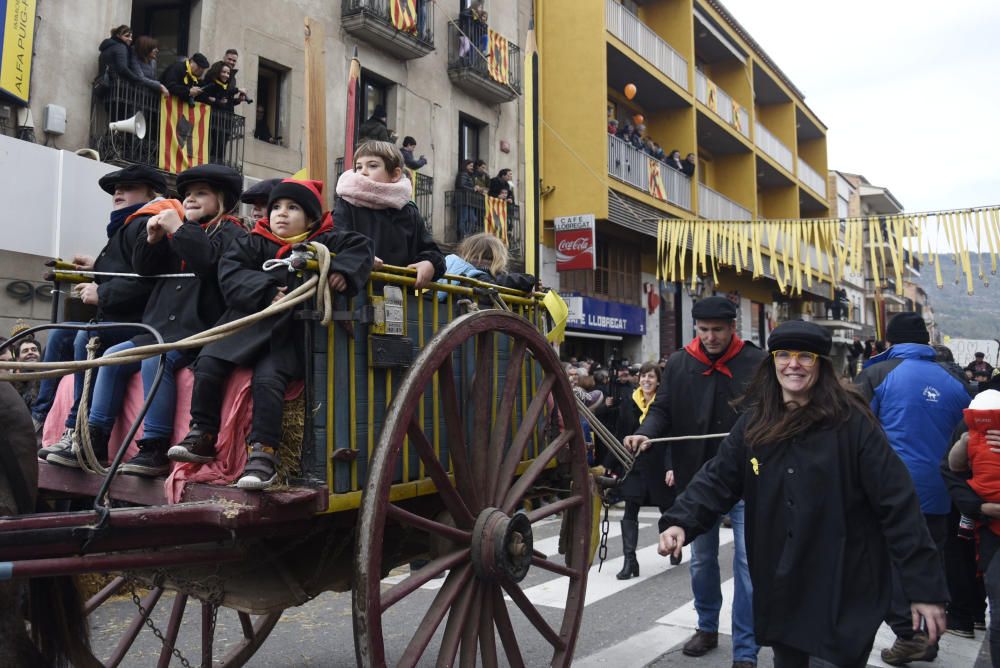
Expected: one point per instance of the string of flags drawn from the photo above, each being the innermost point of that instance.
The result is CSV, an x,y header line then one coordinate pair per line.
x,y
801,251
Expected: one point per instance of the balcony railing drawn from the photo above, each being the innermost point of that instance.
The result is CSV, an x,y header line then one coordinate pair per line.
x,y
627,27
772,146
722,104
811,178
716,206
467,211
423,192
629,164
482,62
404,36
226,130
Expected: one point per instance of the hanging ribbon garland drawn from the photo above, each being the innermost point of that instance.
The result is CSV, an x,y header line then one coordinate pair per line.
x,y
823,249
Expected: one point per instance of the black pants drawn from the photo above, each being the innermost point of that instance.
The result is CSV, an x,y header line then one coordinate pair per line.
x,y
787,657
989,545
968,595
267,389
899,616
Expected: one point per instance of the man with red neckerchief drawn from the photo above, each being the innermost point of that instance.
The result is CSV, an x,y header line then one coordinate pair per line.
x,y
698,385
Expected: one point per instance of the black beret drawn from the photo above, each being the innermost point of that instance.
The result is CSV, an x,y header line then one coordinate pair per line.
x,y
259,192
907,327
226,179
980,354
200,60
133,174
308,194
800,335
714,308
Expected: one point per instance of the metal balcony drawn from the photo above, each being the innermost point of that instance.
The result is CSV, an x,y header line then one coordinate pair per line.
x,y
627,27
372,21
713,205
772,146
492,75
226,131
629,164
467,216
721,103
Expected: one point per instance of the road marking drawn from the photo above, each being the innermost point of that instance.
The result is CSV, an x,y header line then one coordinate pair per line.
x,y
952,650
550,546
686,616
637,650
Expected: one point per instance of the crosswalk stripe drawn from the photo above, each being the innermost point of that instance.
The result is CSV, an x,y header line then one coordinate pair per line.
x,y
637,650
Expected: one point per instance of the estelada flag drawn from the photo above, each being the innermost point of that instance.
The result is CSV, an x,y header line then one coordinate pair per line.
x,y
495,217
404,15
183,134
656,188
498,58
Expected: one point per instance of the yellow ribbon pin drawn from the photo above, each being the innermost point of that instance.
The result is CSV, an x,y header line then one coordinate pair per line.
x,y
756,465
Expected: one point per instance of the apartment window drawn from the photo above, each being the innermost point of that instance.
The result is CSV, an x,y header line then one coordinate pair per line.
x,y
272,92
469,131
374,92
168,23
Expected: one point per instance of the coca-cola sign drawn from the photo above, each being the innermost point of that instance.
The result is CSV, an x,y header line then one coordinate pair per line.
x,y
575,243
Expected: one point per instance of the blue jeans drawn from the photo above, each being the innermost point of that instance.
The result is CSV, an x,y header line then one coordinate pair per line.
x,y
706,584
65,345
109,392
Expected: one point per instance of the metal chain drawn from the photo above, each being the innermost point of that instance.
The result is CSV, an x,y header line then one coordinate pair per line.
x,y
148,620
602,550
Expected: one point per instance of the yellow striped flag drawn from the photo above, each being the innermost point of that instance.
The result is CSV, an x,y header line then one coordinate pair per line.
x,y
711,95
737,121
412,175
497,57
656,188
183,134
495,217
404,15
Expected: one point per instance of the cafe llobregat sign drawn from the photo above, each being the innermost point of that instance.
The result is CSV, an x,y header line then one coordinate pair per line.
x,y
575,243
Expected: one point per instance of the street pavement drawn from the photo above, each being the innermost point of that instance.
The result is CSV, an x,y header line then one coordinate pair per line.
x,y
638,622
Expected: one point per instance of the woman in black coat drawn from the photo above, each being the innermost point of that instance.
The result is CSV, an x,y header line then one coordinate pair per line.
x,y
829,507
646,484
121,62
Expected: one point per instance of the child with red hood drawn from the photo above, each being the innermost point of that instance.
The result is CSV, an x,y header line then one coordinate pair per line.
x,y
273,347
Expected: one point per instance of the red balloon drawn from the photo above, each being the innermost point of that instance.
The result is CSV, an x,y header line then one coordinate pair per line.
x,y
638,119
630,91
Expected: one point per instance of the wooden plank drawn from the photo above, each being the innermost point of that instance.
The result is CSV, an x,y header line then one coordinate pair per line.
x,y
316,156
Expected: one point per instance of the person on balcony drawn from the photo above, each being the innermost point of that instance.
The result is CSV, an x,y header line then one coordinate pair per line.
x,y
120,62
146,51
183,78
375,127
613,126
481,175
466,188
674,160
501,185
231,58
659,153
218,89
690,162
409,146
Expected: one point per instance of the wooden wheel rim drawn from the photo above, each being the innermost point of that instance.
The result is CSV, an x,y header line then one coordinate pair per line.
x,y
464,590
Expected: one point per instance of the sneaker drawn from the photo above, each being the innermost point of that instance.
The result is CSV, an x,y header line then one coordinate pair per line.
x,y
197,447
961,633
701,643
744,664
979,625
261,470
65,443
905,650
151,461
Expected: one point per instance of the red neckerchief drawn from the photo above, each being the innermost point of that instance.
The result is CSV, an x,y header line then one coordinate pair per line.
x,y
694,349
263,228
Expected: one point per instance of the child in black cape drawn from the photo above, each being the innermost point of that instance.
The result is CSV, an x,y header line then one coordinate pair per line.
x,y
273,347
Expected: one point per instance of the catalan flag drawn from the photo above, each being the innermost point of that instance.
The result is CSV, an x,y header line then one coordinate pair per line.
x,y
404,15
711,96
497,57
184,131
495,217
656,188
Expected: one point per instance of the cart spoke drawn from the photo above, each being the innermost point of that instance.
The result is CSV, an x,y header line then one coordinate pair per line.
x,y
173,627
418,579
454,629
535,617
207,632
456,435
148,603
98,599
247,624
482,406
522,438
428,525
555,507
470,629
535,469
453,586
487,639
506,630
553,567
449,495
505,410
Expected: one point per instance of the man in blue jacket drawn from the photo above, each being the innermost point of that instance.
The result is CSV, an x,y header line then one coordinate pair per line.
x,y
919,404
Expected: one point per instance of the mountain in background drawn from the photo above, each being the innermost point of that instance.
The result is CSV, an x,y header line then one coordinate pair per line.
x,y
957,313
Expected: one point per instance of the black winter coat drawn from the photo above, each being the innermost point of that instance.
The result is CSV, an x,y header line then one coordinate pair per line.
x,y
399,236
248,289
374,128
119,58
180,307
122,299
646,484
177,81
225,98
691,403
826,514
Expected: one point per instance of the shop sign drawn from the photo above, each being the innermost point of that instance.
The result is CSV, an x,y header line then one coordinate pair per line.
x,y
575,243
604,316
17,32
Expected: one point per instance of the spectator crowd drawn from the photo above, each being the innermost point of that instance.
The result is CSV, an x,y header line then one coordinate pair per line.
x,y
635,136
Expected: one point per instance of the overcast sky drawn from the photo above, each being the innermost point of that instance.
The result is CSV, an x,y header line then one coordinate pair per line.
x,y
908,89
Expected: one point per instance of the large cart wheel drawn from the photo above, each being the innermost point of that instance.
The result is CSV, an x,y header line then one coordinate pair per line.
x,y
200,646
488,539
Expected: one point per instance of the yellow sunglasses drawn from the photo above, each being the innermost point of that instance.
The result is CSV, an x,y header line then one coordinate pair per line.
x,y
785,357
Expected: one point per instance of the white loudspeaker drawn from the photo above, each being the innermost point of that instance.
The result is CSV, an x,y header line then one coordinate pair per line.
x,y
133,126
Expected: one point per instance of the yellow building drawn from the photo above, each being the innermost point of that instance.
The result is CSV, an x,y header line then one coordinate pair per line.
x,y
702,86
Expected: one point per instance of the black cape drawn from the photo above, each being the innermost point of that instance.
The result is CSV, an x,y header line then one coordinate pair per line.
x,y
646,484
120,298
399,236
826,513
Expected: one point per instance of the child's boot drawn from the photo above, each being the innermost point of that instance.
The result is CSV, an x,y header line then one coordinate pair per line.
x,y
261,470
197,447
151,461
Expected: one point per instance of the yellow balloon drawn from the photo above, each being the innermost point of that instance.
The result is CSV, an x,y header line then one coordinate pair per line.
x,y
630,91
